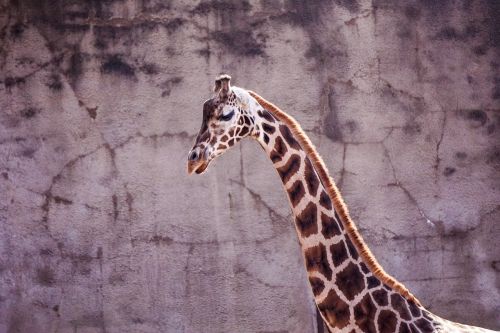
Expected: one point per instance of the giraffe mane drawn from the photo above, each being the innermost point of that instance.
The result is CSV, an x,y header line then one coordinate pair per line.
x,y
338,202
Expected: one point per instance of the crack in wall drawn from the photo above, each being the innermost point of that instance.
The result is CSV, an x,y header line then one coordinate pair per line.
x,y
242,270
397,183
340,182
274,216
440,140
10,81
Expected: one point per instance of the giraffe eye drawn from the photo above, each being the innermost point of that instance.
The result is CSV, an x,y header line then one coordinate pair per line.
x,y
227,116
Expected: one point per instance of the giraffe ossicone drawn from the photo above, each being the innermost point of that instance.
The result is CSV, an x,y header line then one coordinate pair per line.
x,y
350,288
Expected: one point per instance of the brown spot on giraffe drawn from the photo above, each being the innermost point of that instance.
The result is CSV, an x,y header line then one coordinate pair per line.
x,y
335,310
399,304
316,260
266,138
204,137
279,150
337,217
352,249
268,128
415,311
364,314
312,180
244,131
339,253
266,115
424,325
404,328
381,297
221,146
350,281
373,282
307,220
324,200
290,168
317,285
414,329
296,192
387,321
288,136
246,120
329,226
364,269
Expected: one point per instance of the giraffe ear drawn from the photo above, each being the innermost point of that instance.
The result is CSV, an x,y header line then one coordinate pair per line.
x,y
222,85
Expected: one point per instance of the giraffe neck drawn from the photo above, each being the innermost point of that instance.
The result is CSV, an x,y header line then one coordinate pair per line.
x,y
350,292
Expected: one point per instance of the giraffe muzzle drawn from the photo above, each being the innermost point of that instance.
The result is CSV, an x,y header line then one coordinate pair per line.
x,y
197,161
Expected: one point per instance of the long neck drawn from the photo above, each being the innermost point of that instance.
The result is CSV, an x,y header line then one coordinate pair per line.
x,y
350,288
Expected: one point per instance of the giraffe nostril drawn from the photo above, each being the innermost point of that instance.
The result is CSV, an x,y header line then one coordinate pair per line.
x,y
193,156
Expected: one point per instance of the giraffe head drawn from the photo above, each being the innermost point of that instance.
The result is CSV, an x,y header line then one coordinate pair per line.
x,y
227,118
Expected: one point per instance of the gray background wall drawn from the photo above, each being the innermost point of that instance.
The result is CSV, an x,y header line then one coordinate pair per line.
x,y
103,231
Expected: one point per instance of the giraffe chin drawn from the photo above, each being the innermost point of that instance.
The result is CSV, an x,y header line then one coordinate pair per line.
x,y
198,168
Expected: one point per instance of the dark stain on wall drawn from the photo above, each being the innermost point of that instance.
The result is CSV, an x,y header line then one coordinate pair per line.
x,y
351,5
452,33
10,82
45,276
174,24
46,252
435,7
54,82
91,111
89,320
493,156
28,152
302,13
412,12
55,308
75,66
106,36
477,116
227,7
240,42
168,85
16,30
448,171
156,6
323,54
29,112
16,322
495,92
149,69
115,65
61,200
493,21
332,126
495,265
238,33
460,155
412,128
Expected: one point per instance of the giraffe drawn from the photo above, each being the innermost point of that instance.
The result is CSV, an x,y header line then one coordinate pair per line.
x,y
351,290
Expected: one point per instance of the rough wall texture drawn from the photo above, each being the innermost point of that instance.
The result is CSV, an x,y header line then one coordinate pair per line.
x,y
103,231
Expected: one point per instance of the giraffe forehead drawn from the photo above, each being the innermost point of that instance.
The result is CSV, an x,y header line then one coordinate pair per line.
x,y
209,107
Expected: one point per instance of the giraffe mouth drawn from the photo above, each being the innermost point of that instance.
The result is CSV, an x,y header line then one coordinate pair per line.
x,y
198,167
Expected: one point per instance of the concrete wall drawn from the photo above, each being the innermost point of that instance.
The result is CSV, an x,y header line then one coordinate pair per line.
x,y
100,101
